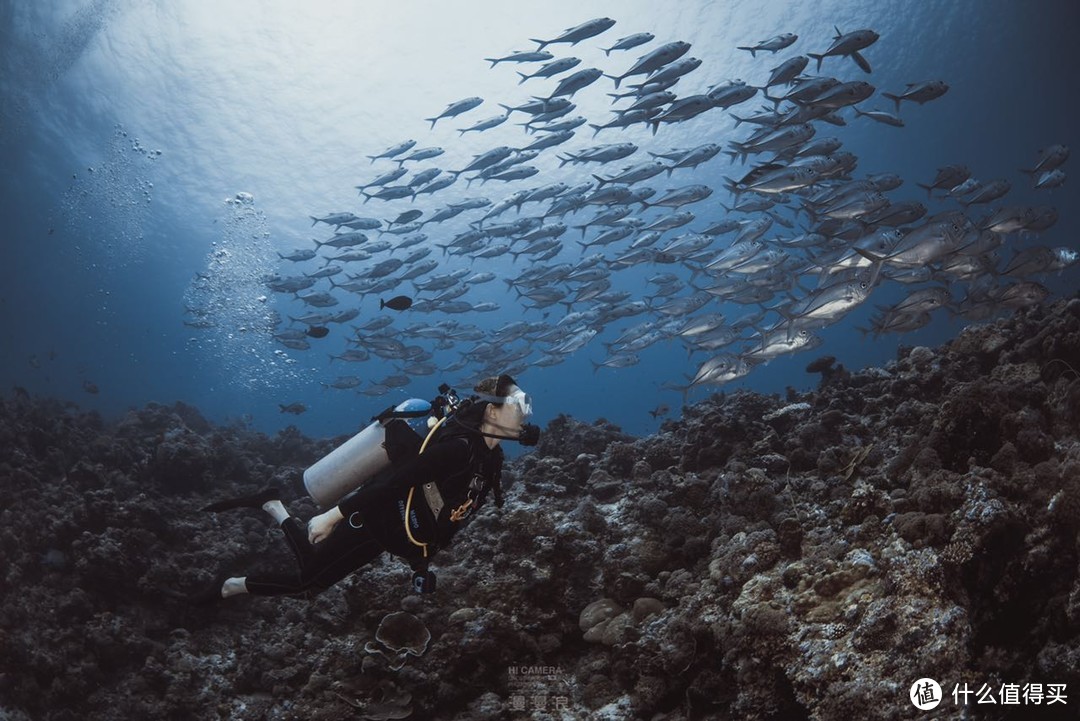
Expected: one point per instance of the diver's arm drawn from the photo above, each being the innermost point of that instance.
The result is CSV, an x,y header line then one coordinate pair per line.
x,y
320,526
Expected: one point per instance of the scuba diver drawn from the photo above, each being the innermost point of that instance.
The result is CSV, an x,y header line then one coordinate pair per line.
x,y
437,485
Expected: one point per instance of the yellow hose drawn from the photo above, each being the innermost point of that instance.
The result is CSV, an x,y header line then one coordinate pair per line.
x,y
408,501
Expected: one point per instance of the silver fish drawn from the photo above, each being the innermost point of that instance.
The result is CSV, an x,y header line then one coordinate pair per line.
x,y
424,177
1050,179
630,41
575,82
384,179
456,108
485,160
919,92
600,154
844,94
947,178
720,369
777,42
522,56
786,72
655,60
880,116
485,124
675,70
394,150
553,68
634,174
578,33
344,240
1049,159
620,360
298,255
730,94
390,192
849,45
989,192
319,300
678,197
422,154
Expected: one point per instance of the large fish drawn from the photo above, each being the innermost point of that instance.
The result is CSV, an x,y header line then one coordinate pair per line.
x,y
989,192
384,179
485,124
718,370
777,42
456,108
555,67
485,160
651,62
947,178
532,56
923,245
675,70
844,94
422,154
774,141
576,34
786,72
1049,159
539,106
694,157
780,341
734,92
849,45
600,154
682,109
335,219
774,179
575,82
394,150
634,174
825,306
424,177
679,197
630,41
919,92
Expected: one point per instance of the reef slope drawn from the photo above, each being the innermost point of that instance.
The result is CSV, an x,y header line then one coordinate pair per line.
x,y
759,558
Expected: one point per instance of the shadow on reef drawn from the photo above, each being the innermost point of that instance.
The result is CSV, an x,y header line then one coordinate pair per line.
x,y
759,558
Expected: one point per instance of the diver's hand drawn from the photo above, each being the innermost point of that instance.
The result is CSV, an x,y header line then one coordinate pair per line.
x,y
321,525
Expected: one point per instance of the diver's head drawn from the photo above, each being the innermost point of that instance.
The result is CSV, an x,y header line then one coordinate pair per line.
x,y
506,408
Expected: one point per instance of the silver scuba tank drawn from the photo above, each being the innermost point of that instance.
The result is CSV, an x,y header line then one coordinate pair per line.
x,y
354,462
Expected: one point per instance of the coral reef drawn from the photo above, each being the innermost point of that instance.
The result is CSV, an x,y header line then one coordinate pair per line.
x,y
805,557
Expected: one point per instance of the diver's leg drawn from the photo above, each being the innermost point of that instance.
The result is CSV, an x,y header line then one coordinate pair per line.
x,y
321,566
277,510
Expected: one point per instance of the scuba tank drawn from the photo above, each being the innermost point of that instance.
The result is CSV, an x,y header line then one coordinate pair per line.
x,y
358,459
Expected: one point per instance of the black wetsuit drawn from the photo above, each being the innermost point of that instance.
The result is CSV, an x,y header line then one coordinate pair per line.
x,y
463,470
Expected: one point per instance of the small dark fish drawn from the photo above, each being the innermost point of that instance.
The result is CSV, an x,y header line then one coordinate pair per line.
x,y
294,408
90,387
318,331
401,302
660,410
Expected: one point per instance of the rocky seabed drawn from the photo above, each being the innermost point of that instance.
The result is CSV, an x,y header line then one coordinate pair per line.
x,y
762,557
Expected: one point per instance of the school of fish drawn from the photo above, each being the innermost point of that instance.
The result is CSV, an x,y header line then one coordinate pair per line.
x,y
794,240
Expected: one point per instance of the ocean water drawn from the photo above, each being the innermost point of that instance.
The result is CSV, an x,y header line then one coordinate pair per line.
x,y
159,155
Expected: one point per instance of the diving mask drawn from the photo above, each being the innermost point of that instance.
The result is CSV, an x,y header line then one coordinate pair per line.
x,y
516,397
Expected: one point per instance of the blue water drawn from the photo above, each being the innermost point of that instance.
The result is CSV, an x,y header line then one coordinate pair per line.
x,y
125,128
